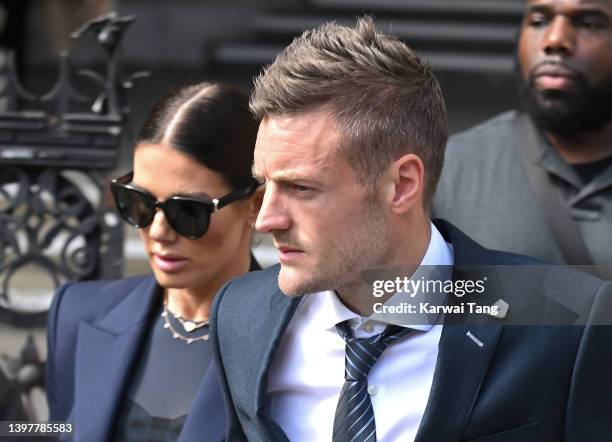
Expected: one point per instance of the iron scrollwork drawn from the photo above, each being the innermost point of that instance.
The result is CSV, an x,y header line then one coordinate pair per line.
x,y
55,218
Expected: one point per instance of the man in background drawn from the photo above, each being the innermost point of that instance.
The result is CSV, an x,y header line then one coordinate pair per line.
x,y
539,181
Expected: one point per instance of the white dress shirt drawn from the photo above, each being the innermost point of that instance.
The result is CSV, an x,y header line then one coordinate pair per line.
x,y
307,372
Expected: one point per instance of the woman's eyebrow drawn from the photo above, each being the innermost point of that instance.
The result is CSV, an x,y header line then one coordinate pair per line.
x,y
200,195
186,194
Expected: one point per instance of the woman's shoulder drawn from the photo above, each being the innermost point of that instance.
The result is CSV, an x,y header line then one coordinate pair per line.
x,y
89,299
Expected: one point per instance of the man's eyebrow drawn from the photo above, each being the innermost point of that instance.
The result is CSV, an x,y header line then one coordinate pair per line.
x,y
588,10
286,176
593,12
538,8
281,176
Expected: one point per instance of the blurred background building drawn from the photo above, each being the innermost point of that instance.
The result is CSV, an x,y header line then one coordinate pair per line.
x,y
469,43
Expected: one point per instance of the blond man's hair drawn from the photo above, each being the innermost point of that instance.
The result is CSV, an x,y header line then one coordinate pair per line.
x,y
386,101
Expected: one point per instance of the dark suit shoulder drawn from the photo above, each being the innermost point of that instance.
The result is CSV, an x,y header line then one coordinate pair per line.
x,y
248,303
84,301
565,294
524,281
569,277
507,258
266,276
73,304
250,287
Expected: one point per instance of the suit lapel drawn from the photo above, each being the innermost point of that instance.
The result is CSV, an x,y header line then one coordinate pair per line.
x,y
283,307
460,370
207,419
105,353
466,347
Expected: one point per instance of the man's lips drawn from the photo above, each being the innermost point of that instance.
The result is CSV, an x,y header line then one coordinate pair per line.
x,y
553,76
556,70
288,254
554,82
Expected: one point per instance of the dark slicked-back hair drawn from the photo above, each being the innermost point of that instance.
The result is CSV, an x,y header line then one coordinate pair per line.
x,y
210,122
385,100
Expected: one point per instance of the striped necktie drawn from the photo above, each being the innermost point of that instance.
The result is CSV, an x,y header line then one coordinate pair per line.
x,y
354,420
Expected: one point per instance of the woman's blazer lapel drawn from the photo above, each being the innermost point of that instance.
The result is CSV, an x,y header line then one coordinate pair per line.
x,y
105,352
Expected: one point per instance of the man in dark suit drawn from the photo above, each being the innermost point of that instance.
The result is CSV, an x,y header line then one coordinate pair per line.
x,y
350,147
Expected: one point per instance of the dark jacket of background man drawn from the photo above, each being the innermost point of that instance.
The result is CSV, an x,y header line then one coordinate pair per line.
x,y
565,57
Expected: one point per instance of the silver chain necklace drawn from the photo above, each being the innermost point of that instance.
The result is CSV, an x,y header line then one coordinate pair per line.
x,y
188,325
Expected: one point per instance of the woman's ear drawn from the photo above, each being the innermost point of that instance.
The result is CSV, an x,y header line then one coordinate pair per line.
x,y
255,204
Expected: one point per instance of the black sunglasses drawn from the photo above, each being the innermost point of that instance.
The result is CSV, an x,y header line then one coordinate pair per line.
x,y
189,217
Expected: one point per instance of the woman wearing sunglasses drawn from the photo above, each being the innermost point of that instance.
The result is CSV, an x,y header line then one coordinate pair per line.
x,y
130,359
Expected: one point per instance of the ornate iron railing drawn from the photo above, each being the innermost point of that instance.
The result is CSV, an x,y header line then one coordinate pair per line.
x,y
56,224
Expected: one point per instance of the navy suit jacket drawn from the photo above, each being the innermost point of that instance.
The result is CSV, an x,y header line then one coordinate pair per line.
x,y
525,383
95,331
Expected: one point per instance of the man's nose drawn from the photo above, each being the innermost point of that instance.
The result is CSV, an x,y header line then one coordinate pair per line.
x,y
560,37
273,213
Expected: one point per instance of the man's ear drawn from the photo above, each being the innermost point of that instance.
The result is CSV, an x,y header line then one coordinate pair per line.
x,y
405,183
255,203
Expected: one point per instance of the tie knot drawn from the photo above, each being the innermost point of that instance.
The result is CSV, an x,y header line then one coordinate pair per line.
x,y
362,353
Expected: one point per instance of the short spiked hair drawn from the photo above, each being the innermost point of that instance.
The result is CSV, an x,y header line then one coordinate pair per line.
x,y
385,99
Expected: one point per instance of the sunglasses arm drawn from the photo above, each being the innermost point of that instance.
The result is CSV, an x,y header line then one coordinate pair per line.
x,y
234,196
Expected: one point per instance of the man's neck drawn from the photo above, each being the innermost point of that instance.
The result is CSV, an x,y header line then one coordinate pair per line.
x,y
357,295
583,147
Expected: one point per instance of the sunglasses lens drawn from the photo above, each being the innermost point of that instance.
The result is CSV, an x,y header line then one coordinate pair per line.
x,y
187,218
134,207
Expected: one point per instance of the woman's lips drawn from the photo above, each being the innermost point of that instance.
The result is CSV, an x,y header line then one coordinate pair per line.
x,y
169,264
